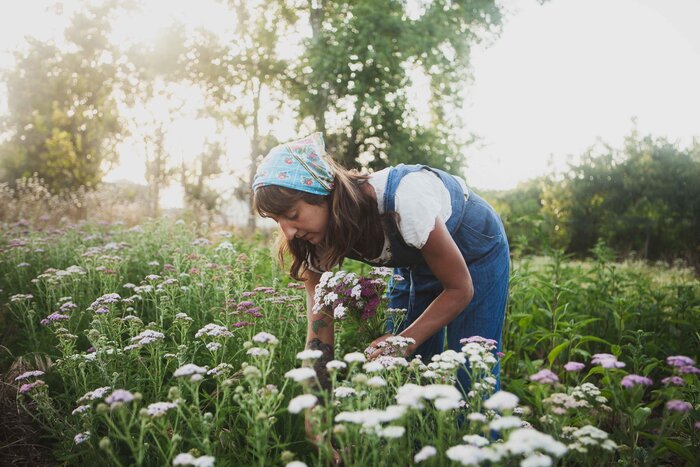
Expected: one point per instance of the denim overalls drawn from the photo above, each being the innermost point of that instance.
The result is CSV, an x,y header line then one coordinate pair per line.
x,y
478,232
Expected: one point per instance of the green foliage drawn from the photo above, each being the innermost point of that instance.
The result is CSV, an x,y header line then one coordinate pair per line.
x,y
63,122
358,67
641,200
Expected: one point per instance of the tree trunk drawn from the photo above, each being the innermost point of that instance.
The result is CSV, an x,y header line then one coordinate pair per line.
x,y
255,148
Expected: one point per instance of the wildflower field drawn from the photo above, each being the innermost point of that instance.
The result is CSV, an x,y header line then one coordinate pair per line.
x,y
172,344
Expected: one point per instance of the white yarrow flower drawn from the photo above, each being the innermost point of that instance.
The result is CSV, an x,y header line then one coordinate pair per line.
x,y
299,403
158,409
502,400
265,338
81,437
336,365
309,354
353,357
426,453
189,369
301,374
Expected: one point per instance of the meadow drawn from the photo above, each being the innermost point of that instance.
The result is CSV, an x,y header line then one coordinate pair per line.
x,y
171,343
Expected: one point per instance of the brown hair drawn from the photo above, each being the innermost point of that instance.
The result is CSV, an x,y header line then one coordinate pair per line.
x,y
354,221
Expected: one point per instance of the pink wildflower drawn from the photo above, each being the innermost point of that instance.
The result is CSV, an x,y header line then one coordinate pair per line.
x,y
29,374
574,366
680,360
606,360
119,395
25,388
545,377
688,370
678,405
635,380
674,380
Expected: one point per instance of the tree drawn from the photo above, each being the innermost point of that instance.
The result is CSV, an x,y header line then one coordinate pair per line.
x,y
63,122
358,67
241,76
196,177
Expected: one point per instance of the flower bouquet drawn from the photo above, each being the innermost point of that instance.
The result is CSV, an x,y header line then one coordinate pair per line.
x,y
357,305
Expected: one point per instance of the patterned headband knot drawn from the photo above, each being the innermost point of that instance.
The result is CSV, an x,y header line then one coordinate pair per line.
x,y
299,165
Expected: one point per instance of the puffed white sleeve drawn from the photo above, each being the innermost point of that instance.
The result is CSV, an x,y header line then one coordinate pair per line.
x,y
420,198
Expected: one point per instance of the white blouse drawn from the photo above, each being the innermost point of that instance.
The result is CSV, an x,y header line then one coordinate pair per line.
x,y
420,198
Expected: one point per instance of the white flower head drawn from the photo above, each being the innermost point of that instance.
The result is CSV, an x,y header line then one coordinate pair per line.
x,y
309,354
502,400
158,409
186,458
343,392
265,338
299,403
475,440
81,437
392,431
376,382
301,374
354,357
426,453
336,365
189,369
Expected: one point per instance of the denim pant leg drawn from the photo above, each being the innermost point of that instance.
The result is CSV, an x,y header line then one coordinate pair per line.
x,y
485,314
414,294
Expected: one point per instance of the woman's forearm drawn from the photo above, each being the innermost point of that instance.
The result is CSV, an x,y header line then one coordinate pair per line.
x,y
319,335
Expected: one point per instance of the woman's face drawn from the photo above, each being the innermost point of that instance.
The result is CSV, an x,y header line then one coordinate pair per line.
x,y
305,221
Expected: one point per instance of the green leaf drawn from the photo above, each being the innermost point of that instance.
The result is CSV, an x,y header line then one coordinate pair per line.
x,y
639,416
616,350
674,446
554,353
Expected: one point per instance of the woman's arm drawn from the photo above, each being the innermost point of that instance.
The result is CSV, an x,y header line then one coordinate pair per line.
x,y
319,332
447,263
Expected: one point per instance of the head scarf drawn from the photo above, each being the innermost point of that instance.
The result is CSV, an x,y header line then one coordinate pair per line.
x,y
298,165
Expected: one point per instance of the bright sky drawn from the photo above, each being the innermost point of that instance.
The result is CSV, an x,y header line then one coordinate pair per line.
x,y
560,76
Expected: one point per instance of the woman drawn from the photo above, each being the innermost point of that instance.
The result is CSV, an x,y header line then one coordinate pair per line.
x,y
444,240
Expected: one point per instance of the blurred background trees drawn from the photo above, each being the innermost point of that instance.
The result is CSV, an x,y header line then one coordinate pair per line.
x,y
382,79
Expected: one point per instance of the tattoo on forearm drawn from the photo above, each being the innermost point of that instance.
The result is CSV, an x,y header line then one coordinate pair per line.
x,y
320,363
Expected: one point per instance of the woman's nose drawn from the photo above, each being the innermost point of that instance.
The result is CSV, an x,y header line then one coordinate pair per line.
x,y
287,230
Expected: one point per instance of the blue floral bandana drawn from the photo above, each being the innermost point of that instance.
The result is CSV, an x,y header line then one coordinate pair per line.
x,y
298,165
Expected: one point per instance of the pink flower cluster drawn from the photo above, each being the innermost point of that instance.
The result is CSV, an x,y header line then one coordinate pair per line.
x,y
545,377
606,360
630,381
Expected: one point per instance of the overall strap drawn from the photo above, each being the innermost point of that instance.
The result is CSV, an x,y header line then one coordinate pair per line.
x,y
457,194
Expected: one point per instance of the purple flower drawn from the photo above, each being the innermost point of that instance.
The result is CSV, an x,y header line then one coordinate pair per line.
x,y
697,425
68,306
606,360
29,374
574,366
119,395
635,380
688,370
25,388
678,405
241,324
675,380
244,305
247,294
53,317
680,360
545,377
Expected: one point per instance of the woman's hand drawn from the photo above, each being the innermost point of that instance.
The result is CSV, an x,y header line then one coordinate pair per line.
x,y
376,350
